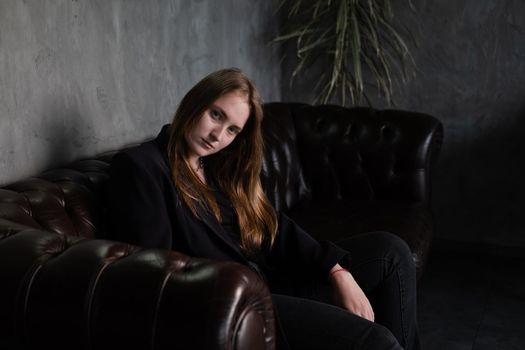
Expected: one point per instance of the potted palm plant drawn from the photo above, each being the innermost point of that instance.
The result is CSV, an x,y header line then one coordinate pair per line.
x,y
355,41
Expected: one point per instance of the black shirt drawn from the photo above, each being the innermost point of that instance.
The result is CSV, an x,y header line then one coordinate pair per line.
x,y
229,220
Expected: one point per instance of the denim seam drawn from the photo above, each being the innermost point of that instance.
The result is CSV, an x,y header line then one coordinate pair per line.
x,y
402,305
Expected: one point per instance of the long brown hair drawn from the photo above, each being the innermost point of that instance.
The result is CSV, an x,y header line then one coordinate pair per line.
x,y
235,169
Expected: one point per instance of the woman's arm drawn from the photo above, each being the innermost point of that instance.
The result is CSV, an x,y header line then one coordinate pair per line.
x,y
137,203
348,294
295,249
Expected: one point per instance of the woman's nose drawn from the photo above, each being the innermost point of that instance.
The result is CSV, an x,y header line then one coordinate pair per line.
x,y
216,134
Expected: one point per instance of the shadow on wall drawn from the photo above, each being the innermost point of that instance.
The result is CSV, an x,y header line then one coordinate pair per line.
x,y
482,180
66,133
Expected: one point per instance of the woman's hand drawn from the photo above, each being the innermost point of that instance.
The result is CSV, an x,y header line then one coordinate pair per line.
x,y
349,295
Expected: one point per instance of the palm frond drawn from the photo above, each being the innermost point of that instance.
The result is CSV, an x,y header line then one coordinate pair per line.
x,y
354,37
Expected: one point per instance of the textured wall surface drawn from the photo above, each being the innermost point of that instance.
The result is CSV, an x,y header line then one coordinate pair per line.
x,y
78,77
471,60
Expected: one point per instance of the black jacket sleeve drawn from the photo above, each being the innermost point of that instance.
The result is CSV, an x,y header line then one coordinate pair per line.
x,y
137,208
296,249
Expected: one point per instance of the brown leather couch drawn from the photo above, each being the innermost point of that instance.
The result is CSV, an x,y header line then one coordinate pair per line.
x,y
337,171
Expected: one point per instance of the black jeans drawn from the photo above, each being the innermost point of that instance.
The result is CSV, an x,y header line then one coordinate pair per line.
x,y
382,265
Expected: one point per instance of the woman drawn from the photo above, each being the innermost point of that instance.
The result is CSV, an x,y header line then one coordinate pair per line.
x,y
196,189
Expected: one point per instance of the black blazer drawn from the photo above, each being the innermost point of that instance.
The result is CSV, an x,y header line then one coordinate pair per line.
x,y
145,210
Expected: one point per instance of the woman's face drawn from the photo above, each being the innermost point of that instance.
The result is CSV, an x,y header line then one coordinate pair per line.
x,y
218,125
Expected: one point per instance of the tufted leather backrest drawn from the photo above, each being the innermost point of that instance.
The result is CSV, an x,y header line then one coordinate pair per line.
x,y
69,201
379,154
364,154
282,176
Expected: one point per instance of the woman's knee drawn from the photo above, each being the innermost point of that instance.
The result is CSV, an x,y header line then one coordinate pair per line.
x,y
397,249
395,244
378,243
383,246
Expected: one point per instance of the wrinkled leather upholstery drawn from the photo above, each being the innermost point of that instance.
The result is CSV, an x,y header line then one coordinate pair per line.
x,y
336,171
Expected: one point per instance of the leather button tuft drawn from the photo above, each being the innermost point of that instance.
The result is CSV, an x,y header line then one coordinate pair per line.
x,y
389,134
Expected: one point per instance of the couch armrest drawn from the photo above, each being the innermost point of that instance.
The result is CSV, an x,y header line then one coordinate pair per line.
x,y
65,292
363,153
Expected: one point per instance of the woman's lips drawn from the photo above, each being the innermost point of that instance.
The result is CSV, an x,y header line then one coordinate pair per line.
x,y
207,144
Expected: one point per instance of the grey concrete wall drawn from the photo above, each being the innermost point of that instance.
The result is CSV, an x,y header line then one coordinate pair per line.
x,y
471,68
79,77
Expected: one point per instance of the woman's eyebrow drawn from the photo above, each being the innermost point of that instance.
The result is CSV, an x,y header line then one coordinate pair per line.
x,y
221,111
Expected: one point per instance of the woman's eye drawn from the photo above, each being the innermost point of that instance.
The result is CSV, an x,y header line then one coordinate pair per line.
x,y
233,131
215,114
